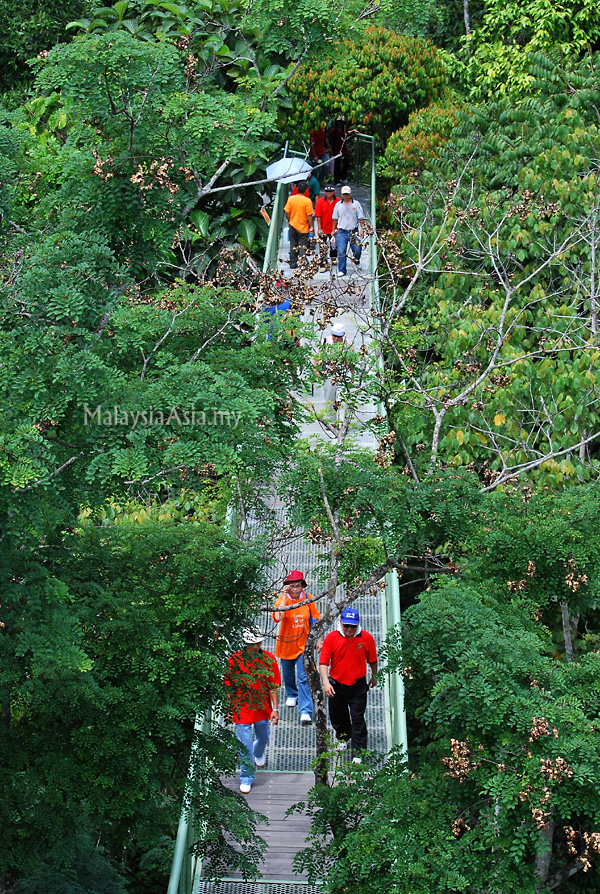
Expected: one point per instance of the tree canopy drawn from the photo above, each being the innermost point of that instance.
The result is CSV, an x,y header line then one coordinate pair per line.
x,y
146,400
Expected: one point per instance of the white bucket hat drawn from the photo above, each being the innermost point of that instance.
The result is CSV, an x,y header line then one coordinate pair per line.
x,y
338,329
251,636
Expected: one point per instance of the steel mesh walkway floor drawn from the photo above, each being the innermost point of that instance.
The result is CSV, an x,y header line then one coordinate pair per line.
x,y
262,887
286,777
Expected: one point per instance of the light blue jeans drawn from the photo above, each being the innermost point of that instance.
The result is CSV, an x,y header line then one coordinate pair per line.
x,y
301,691
342,238
251,748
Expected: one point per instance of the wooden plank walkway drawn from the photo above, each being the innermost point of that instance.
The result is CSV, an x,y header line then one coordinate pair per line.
x,y
272,794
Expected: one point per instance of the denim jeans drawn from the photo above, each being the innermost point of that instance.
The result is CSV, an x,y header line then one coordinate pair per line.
x,y
342,238
250,748
301,690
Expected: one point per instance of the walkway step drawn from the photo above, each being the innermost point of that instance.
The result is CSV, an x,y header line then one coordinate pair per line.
x,y
262,887
272,794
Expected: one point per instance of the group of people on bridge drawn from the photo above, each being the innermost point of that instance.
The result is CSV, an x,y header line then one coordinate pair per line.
x,y
254,677
336,222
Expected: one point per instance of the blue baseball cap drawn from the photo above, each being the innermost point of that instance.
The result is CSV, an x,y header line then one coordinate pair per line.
x,y
350,616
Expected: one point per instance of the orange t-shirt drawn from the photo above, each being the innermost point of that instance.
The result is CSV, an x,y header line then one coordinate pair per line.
x,y
299,208
295,625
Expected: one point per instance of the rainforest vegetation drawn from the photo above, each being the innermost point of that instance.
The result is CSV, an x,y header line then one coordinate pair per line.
x,y
134,140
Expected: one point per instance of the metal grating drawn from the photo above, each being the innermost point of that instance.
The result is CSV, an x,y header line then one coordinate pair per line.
x,y
292,746
237,887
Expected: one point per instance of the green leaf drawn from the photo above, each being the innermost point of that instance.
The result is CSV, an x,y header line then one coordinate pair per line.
x,y
201,221
247,231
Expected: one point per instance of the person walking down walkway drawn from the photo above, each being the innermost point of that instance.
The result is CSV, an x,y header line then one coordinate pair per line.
x,y
253,680
312,190
343,668
348,219
324,222
338,136
299,213
319,150
336,336
293,633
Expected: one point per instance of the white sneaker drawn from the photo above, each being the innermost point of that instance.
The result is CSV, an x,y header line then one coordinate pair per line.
x,y
245,788
305,719
357,760
341,745
261,761
291,702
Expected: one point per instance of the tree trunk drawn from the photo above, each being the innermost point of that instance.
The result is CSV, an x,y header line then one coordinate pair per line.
x,y
566,623
314,681
544,851
467,17
583,447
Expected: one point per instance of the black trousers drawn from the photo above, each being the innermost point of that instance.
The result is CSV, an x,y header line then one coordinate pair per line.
x,y
341,167
298,245
347,712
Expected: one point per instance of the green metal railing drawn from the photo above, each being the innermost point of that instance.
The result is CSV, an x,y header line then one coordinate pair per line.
x,y
395,712
187,866
275,229
363,153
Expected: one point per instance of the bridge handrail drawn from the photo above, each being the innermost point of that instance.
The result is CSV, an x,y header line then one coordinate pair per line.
x,y
186,865
395,713
275,228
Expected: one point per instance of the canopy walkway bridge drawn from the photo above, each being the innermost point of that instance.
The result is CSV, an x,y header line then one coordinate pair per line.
x,y
287,775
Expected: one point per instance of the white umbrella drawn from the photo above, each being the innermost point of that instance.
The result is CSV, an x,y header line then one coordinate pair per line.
x,y
288,169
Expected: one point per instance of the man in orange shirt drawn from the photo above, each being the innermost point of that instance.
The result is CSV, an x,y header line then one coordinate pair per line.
x,y
253,680
300,214
295,626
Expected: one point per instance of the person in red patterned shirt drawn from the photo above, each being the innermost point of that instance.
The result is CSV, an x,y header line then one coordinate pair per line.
x,y
253,679
324,222
343,668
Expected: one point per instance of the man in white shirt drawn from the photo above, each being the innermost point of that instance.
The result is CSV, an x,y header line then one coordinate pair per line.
x,y
348,219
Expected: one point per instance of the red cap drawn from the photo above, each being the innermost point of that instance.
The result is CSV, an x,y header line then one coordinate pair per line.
x,y
295,577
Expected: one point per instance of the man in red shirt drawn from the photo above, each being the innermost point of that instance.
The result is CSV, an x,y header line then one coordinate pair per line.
x,y
324,220
343,668
253,678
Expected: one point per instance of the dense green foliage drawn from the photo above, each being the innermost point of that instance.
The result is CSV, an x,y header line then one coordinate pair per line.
x,y
114,636
30,27
412,148
496,347
510,34
503,736
442,22
109,647
375,80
